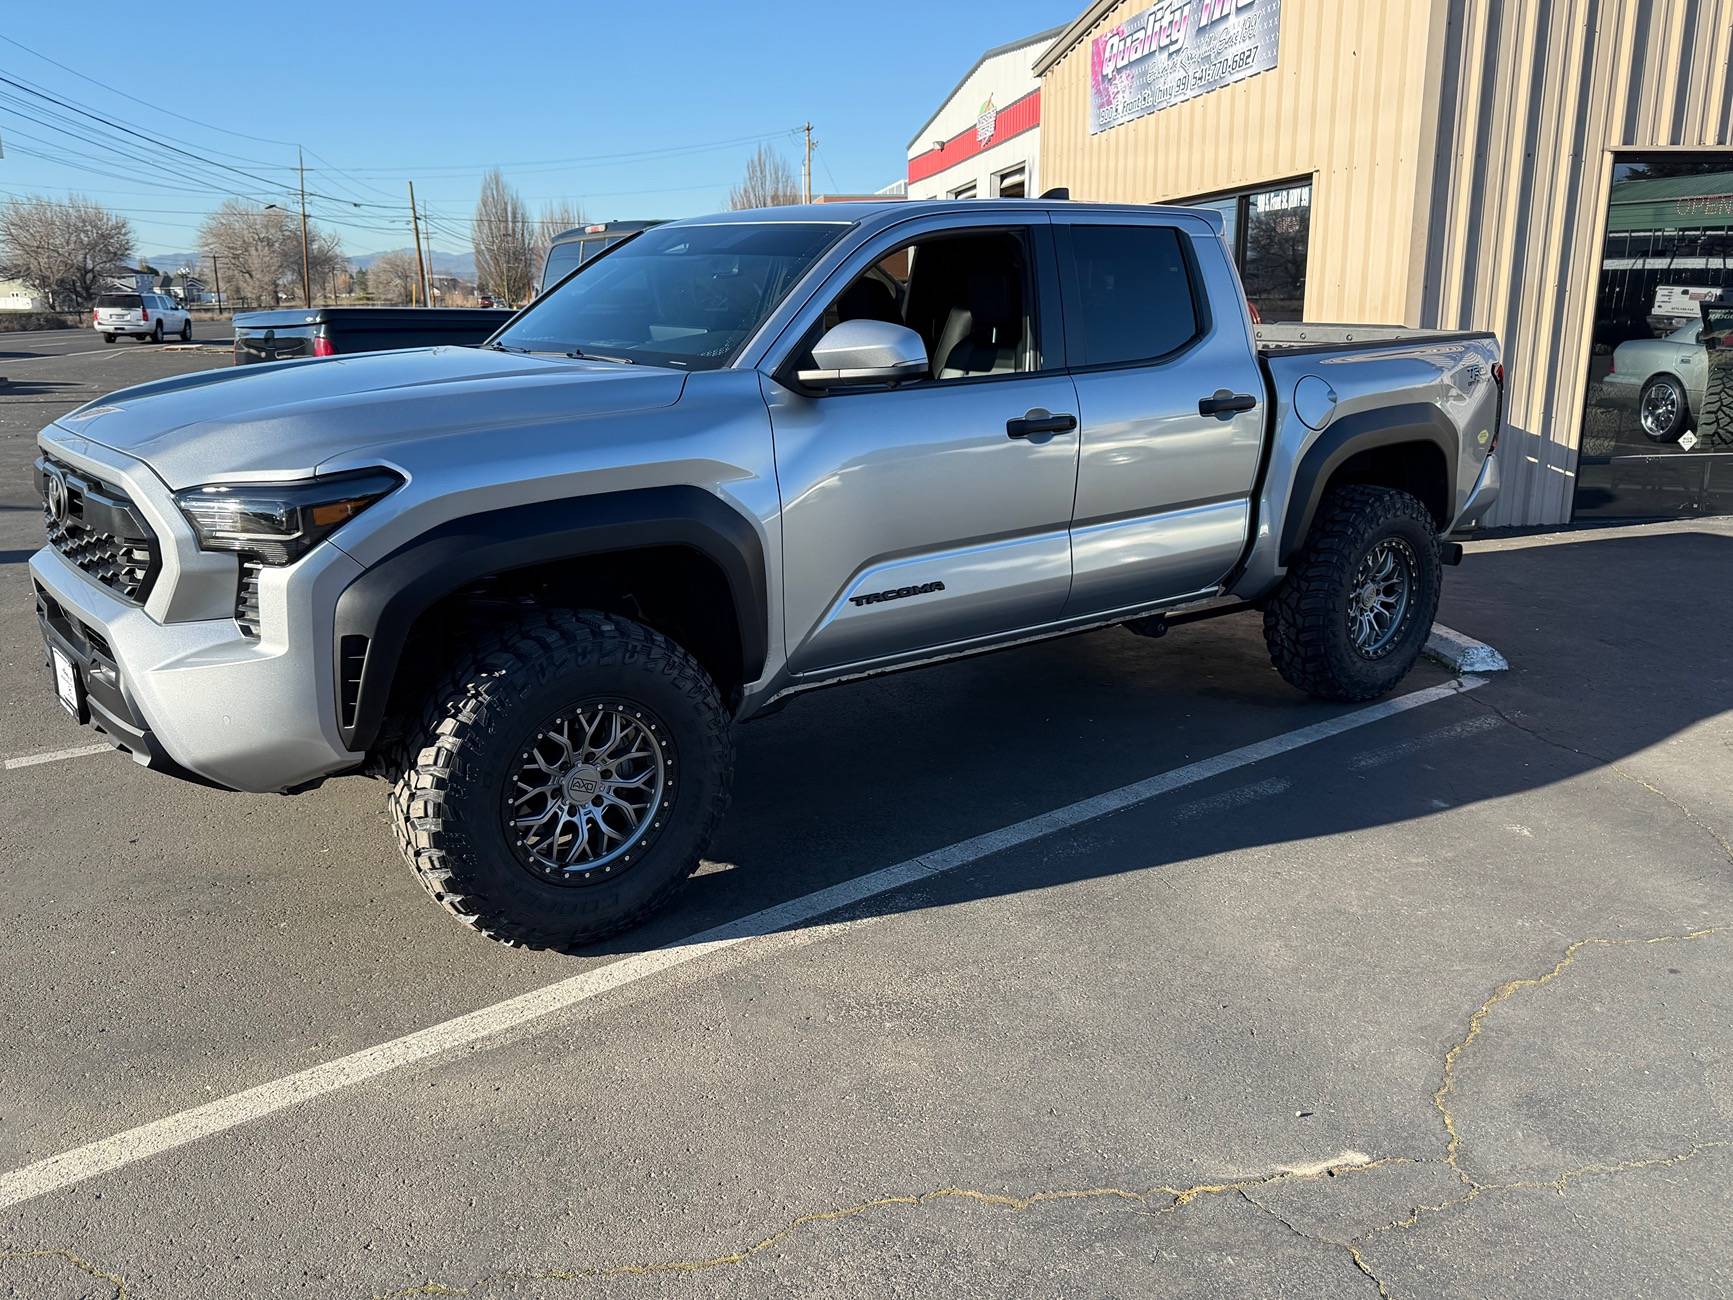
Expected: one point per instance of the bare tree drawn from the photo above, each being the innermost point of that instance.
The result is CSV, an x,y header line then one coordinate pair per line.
x,y
394,277
769,182
260,250
64,249
556,218
504,241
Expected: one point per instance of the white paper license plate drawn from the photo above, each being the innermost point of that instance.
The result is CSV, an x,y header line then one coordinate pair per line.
x,y
66,681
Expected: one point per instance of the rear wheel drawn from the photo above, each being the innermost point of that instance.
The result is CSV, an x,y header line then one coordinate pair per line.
x,y
566,776
108,338
1355,610
156,334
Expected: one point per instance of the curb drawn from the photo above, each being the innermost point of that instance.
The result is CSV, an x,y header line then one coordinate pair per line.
x,y
1463,654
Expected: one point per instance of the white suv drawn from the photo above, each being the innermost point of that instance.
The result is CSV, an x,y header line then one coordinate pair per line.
x,y
142,315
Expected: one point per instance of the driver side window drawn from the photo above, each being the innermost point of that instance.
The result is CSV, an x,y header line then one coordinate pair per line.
x,y
968,295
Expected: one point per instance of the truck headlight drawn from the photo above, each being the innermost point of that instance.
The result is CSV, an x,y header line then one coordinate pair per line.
x,y
278,523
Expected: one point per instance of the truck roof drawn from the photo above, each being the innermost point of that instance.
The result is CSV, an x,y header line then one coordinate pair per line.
x,y
852,212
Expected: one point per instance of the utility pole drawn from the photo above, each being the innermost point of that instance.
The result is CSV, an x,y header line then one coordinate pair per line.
x,y
427,287
306,274
415,223
806,171
217,276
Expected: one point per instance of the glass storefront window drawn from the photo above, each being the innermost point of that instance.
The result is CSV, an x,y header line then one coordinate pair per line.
x,y
1657,429
1270,232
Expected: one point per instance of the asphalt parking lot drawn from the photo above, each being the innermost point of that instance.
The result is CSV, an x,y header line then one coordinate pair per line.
x,y
1138,974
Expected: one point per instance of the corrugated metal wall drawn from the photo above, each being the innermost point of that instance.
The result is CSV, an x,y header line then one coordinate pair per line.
x,y
1534,96
1341,106
1460,152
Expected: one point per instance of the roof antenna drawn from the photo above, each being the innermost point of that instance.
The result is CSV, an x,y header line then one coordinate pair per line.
x,y
1057,192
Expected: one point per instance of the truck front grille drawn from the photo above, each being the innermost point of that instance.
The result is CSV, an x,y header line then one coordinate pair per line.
x,y
96,527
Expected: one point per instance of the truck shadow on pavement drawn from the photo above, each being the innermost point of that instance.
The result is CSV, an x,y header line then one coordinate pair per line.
x,y
1608,661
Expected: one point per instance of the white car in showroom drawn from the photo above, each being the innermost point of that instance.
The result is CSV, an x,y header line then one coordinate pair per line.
x,y
150,316
1663,380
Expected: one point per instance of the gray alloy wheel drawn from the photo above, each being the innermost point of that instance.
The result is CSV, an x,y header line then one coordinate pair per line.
x,y
589,784
1382,597
1662,409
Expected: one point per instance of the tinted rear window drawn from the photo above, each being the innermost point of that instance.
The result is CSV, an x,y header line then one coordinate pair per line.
x,y
120,300
561,258
1134,294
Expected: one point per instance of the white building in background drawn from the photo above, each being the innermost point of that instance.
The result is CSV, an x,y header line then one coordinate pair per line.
x,y
15,295
985,140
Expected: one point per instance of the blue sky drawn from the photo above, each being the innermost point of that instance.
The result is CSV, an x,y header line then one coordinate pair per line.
x,y
664,106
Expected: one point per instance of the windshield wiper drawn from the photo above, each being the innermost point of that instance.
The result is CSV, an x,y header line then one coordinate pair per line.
x,y
503,347
576,355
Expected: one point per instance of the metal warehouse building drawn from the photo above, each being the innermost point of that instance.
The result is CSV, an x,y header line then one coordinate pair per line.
x,y
1555,170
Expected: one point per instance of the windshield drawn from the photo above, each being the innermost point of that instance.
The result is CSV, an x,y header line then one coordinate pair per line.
x,y
686,296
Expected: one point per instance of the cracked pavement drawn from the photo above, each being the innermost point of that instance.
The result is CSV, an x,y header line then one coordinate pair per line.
x,y
1440,1007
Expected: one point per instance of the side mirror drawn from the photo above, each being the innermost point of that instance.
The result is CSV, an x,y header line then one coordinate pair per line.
x,y
866,352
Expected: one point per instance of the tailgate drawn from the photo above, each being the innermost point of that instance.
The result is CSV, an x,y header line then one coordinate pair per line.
x,y
274,343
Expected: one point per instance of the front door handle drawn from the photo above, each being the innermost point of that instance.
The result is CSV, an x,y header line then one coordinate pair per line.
x,y
1040,421
1222,402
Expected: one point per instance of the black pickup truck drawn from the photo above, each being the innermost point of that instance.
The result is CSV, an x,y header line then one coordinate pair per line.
x,y
284,335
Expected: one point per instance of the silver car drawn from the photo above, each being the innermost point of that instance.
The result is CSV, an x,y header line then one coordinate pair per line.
x,y
1662,380
534,585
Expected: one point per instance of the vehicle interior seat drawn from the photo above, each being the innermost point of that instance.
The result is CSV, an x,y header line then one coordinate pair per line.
x,y
982,332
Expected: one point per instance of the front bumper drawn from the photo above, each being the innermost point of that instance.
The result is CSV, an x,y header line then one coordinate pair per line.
x,y
175,681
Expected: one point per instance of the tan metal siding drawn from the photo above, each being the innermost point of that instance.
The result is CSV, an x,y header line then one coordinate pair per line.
x,y
1342,106
1535,95
1461,154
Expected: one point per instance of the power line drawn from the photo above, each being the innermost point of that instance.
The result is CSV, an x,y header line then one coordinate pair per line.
x,y
133,99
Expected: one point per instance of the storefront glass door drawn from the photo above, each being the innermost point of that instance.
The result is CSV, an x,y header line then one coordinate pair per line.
x,y
1657,432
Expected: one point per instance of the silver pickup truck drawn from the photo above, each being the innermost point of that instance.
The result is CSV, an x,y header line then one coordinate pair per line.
x,y
732,459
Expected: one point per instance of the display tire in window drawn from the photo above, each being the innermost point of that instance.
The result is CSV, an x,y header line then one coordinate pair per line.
x,y
1715,420
1309,622
512,702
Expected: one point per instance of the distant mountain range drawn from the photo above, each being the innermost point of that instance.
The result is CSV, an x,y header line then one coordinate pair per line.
x,y
462,265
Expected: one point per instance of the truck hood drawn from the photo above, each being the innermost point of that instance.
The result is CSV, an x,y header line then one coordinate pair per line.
x,y
286,419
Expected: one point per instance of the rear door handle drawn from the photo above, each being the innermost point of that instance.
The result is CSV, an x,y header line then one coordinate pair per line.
x,y
1222,402
1040,421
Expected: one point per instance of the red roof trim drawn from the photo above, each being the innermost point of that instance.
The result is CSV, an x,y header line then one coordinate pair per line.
x,y
1014,119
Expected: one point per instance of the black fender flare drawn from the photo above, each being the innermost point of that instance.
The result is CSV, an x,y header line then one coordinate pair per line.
x,y
1349,436
383,603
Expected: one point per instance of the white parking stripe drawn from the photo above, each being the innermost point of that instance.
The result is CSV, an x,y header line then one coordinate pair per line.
x,y
147,1140
56,755
1228,800
53,356
1372,758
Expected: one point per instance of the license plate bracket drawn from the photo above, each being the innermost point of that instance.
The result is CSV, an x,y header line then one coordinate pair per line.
x,y
69,685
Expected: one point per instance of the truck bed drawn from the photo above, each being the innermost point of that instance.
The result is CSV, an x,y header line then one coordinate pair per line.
x,y
1307,336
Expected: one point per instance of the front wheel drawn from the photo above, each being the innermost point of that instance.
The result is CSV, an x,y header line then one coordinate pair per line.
x,y
187,330
566,776
1355,610
1663,410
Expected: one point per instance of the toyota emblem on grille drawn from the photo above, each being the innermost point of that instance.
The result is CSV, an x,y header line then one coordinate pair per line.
x,y
55,499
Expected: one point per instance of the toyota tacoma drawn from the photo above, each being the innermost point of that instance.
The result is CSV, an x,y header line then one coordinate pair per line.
x,y
534,585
